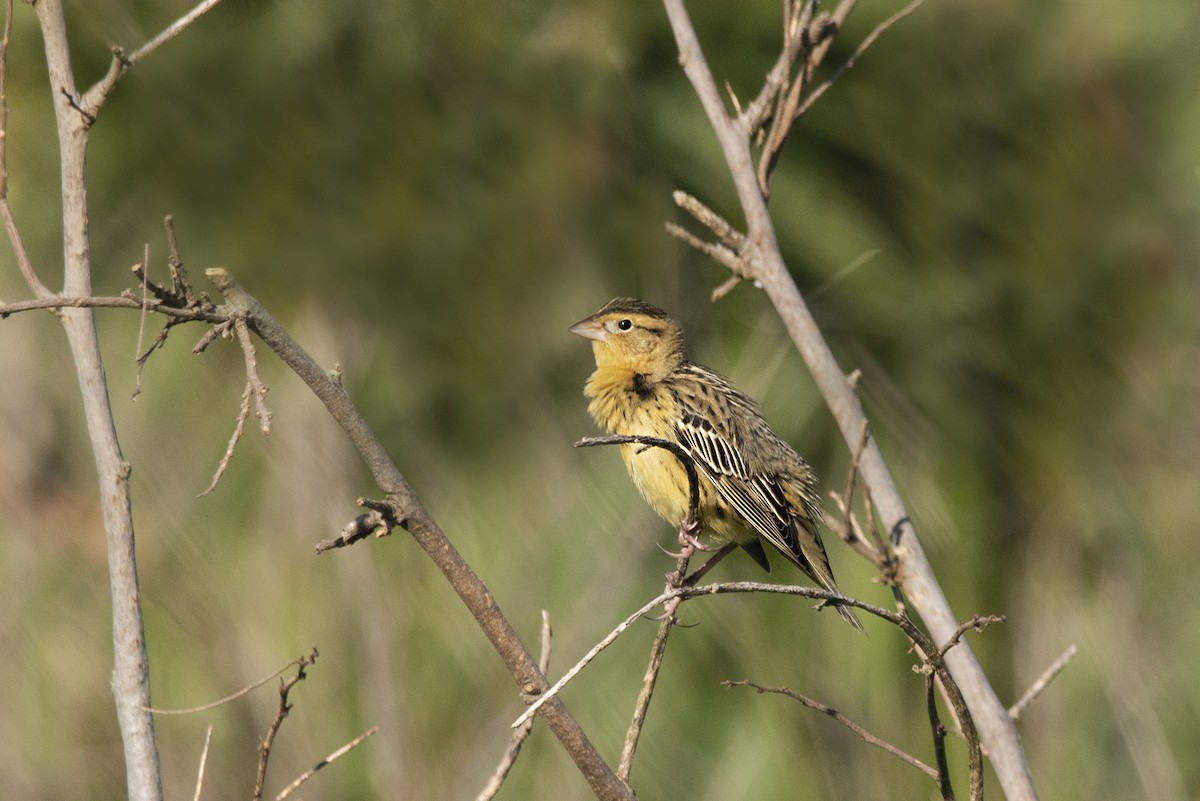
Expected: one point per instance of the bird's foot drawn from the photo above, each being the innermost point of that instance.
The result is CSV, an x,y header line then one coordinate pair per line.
x,y
689,532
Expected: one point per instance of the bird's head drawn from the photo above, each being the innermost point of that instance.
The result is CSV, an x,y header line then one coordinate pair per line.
x,y
632,334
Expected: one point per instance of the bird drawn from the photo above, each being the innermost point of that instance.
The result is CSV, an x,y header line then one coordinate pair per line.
x,y
753,486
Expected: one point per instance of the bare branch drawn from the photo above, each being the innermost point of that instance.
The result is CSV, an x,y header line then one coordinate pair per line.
x,y
520,734
232,696
547,695
1042,682
914,573
406,509
939,739
54,302
976,623
122,63
203,763
131,664
869,40
308,774
675,579
238,429
865,735
254,384
285,708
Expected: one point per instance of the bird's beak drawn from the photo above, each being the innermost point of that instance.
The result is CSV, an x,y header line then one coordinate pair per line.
x,y
589,329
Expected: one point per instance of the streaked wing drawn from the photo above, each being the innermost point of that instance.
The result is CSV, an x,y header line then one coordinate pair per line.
x,y
755,495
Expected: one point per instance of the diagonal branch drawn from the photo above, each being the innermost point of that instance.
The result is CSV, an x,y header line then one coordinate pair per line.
x,y
408,511
121,63
914,573
865,735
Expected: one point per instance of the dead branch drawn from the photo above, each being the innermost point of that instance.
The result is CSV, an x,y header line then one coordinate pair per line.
x,y
232,696
405,508
285,708
521,733
203,764
308,774
865,735
1042,682
939,739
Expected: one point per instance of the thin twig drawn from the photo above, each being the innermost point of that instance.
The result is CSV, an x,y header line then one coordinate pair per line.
x,y
141,360
122,62
203,763
865,735
520,734
714,250
231,697
1042,682
254,389
849,530
308,774
976,623
255,384
55,302
867,41
592,653
238,429
264,748
675,579
657,650
939,736
688,591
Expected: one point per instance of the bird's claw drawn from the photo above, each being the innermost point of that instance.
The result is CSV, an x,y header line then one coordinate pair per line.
x,y
689,539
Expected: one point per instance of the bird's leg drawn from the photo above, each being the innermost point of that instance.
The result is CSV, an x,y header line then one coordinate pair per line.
x,y
710,564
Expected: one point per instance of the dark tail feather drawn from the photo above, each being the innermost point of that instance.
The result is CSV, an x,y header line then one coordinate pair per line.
x,y
848,615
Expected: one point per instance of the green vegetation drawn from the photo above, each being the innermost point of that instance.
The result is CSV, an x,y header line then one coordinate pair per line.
x,y
429,194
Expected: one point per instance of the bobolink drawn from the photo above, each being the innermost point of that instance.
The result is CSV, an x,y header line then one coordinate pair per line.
x,y
753,485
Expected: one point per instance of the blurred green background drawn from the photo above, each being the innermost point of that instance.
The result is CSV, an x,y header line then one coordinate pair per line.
x,y
994,216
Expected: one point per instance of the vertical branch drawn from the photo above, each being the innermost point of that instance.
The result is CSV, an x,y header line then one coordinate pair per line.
x,y
131,671
914,573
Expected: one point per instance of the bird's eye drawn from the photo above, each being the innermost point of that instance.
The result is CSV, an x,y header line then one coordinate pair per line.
x,y
625,325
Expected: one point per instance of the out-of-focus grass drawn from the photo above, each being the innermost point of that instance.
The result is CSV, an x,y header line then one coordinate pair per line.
x,y
428,196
